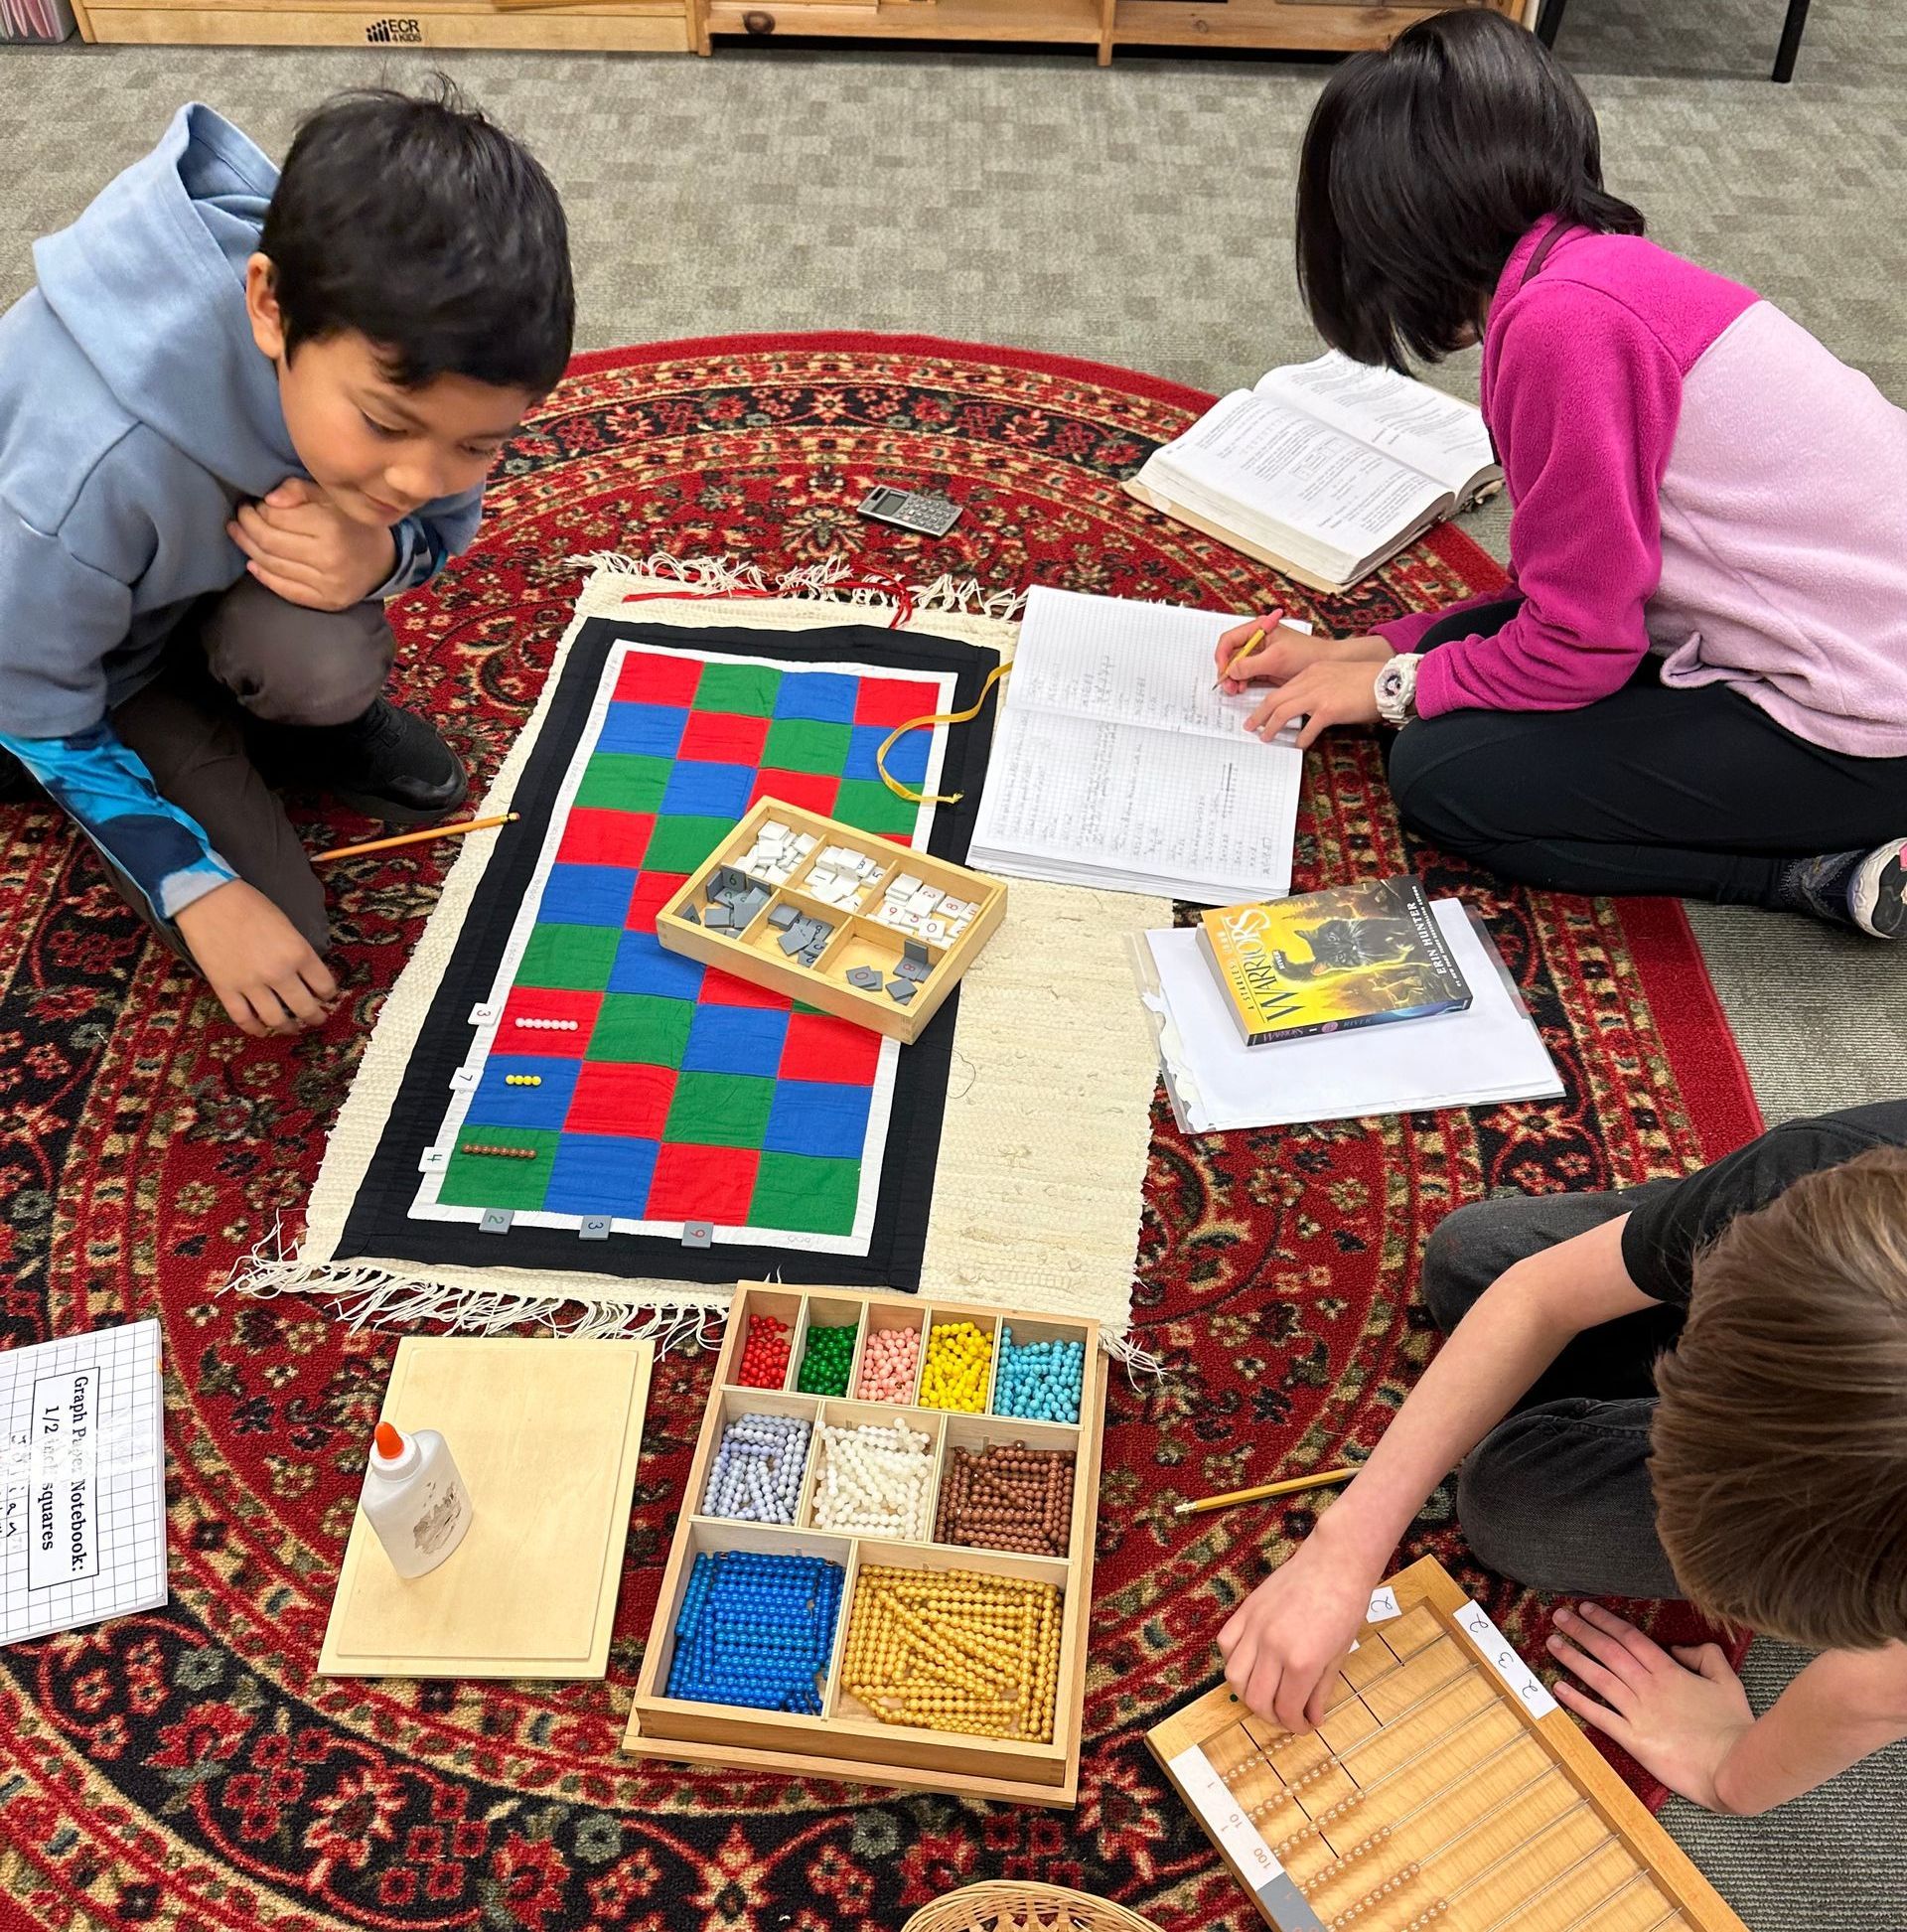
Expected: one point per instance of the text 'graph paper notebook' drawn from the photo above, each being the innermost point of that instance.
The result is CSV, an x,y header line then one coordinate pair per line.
x,y
1445,1791
624,1094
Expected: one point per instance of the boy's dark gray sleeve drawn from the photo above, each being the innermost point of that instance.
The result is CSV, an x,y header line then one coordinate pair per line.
x,y
1672,1221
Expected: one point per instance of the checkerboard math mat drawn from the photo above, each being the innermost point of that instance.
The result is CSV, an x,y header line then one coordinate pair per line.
x,y
580,1097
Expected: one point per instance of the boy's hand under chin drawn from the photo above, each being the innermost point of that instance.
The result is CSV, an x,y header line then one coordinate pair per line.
x,y
307,551
1677,1713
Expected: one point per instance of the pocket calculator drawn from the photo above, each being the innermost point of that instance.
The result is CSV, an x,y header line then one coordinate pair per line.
x,y
911,509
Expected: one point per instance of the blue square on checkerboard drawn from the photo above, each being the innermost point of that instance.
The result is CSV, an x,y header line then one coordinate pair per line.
x,y
651,730
699,791
600,1173
588,895
642,967
824,695
817,1117
497,1103
736,1040
906,762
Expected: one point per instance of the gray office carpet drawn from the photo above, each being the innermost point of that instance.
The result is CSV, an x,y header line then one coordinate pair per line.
x,y
1142,216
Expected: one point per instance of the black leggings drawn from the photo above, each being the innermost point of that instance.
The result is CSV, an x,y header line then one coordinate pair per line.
x,y
1652,789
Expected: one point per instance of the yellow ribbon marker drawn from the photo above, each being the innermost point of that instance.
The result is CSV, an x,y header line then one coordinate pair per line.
x,y
900,731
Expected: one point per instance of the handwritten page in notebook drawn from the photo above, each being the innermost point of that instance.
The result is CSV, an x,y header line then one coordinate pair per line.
x,y
1116,764
82,1481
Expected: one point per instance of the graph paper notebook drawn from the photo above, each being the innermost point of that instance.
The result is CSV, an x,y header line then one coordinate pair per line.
x,y
83,1484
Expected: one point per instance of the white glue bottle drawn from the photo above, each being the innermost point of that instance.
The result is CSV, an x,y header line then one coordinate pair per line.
x,y
414,1499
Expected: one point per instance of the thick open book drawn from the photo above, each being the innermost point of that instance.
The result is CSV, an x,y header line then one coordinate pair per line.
x,y
1324,470
1116,765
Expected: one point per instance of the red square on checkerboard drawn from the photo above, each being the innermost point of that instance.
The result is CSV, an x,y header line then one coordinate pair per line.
x,y
612,1097
894,700
547,1003
695,1183
812,791
593,836
723,738
650,677
820,1047
653,891
724,989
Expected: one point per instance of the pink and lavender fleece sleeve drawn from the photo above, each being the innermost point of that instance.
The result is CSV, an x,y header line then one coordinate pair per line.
x,y
1583,405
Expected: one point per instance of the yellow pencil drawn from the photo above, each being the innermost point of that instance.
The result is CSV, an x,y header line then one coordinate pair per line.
x,y
414,838
1241,653
1289,1487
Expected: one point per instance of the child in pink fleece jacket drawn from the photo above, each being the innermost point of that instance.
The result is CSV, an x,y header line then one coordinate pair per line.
x,y
1697,682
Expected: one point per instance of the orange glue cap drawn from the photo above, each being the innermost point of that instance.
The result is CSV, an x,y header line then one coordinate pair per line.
x,y
390,1445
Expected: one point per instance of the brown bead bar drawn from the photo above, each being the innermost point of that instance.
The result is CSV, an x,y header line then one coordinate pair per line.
x,y
509,1154
1007,1496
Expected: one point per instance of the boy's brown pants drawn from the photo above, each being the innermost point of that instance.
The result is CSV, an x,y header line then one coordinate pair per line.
x,y
246,653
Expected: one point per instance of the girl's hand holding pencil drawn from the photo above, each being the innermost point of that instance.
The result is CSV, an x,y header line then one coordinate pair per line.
x,y
1282,653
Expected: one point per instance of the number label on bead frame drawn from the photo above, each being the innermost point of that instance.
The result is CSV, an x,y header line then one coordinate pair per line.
x,y
1242,1842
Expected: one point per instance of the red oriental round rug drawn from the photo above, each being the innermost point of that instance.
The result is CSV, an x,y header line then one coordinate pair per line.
x,y
185,1768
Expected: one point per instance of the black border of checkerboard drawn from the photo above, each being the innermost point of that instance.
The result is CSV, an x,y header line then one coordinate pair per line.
x,y
378,1224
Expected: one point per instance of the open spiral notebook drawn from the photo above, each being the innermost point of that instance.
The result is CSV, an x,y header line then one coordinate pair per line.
x,y
1116,764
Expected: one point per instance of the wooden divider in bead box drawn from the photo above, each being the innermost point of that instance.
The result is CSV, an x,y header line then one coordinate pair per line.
x,y
845,1741
1444,1789
858,940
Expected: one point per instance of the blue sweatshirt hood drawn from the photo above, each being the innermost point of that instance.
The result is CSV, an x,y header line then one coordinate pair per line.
x,y
149,283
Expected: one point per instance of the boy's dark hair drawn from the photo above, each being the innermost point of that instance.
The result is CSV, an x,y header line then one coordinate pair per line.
x,y
1424,164
418,224
1780,1436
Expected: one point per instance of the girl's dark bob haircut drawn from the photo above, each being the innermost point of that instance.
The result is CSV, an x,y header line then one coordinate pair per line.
x,y
1423,166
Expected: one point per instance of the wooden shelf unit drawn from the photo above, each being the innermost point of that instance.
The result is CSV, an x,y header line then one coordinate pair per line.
x,y
696,26
841,1743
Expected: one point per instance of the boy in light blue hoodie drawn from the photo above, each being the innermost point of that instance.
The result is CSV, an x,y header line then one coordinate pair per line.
x,y
240,409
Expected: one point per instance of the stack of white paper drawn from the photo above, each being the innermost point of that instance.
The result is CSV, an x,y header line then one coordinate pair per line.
x,y
1116,765
1492,1052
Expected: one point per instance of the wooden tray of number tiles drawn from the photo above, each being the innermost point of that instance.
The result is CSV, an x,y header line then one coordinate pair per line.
x,y
855,925
1444,1789
923,1622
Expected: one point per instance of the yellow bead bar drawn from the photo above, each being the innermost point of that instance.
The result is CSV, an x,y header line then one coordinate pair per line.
x,y
954,1650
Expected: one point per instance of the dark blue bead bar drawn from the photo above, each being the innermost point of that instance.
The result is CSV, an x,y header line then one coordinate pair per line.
x,y
756,1630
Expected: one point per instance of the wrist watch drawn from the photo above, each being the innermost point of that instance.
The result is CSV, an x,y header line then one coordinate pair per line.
x,y
1396,688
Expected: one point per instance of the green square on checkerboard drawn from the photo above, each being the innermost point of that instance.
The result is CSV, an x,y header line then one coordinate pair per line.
x,y
642,1029
748,690
807,745
494,1180
679,844
869,806
720,1110
579,959
805,1196
620,780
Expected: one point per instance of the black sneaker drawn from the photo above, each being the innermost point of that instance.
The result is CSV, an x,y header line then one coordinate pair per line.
x,y
389,764
1864,889
1878,892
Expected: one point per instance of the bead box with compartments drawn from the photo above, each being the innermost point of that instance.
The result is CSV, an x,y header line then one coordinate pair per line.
x,y
805,904
951,1665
